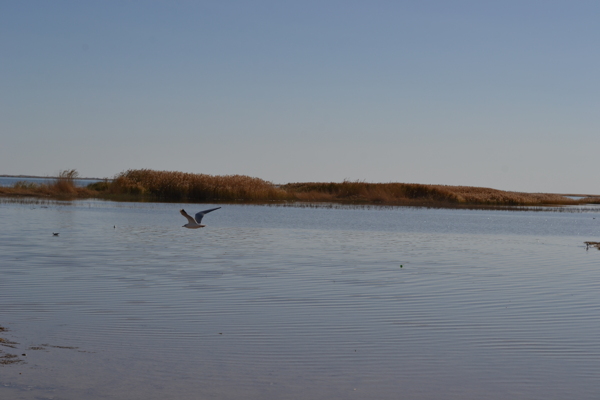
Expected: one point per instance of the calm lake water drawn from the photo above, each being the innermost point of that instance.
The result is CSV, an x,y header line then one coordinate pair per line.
x,y
298,303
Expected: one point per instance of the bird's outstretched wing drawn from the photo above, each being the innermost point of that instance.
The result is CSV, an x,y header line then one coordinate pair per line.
x,y
190,219
203,213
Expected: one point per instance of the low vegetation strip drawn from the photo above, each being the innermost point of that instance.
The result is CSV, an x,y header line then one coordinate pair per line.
x,y
414,194
61,187
151,185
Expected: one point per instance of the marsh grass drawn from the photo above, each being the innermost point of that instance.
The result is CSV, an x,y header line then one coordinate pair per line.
x,y
417,194
151,185
180,186
590,200
64,182
25,185
101,186
62,186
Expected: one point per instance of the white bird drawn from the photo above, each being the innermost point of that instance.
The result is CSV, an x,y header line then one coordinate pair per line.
x,y
194,223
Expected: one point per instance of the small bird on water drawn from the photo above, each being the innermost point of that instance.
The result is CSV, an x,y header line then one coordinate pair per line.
x,y
54,233
194,223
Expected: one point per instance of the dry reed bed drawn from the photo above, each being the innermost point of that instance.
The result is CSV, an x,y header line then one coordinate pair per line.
x,y
145,184
468,194
62,186
410,193
167,185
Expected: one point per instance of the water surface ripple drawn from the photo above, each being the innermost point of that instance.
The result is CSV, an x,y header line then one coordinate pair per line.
x,y
297,303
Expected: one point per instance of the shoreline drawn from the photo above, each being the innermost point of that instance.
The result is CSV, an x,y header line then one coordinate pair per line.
x,y
145,185
49,177
572,207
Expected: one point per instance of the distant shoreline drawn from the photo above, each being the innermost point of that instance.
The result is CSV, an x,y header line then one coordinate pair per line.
x,y
170,186
578,195
110,179
48,177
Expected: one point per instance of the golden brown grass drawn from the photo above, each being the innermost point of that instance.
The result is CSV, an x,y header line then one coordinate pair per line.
x,y
65,182
415,194
168,185
145,184
62,186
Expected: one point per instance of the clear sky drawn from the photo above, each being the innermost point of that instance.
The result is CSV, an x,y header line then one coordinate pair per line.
x,y
501,94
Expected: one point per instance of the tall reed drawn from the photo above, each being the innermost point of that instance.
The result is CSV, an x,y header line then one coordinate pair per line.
x,y
65,182
169,185
62,186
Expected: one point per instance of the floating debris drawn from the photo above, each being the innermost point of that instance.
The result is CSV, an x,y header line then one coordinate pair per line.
x,y
6,359
7,343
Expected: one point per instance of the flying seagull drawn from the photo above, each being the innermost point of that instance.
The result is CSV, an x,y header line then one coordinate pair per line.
x,y
194,223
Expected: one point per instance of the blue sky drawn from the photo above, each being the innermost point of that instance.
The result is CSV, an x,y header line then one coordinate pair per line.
x,y
496,94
